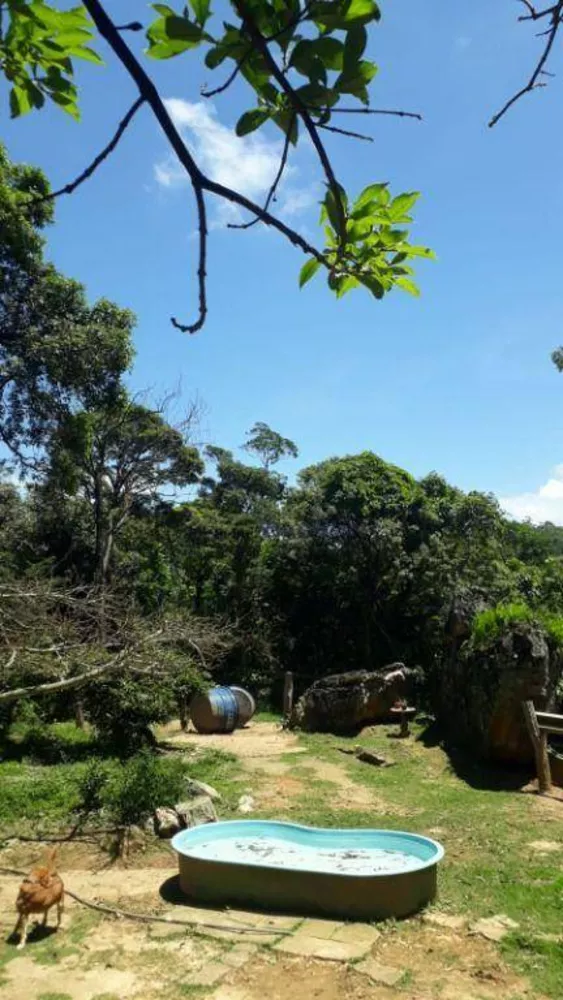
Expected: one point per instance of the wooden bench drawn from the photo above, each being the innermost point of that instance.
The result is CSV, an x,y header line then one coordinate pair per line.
x,y
539,725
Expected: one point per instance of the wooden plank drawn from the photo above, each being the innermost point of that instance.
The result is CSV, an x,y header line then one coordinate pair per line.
x,y
539,743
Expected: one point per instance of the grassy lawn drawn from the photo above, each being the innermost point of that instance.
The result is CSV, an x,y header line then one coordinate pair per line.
x,y
490,867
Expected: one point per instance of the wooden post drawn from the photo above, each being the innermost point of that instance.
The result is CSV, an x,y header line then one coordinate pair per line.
x,y
539,742
288,694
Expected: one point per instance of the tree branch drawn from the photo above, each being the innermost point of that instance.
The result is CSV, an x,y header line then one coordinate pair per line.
x,y
201,271
69,188
200,182
369,111
277,179
65,685
230,79
301,109
347,132
555,13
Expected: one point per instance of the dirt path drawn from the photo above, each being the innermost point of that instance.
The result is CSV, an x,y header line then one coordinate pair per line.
x,y
261,747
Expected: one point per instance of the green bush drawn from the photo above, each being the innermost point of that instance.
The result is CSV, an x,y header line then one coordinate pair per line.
x,y
129,792
491,624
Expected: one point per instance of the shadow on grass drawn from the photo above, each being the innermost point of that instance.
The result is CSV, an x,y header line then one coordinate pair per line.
x,y
479,774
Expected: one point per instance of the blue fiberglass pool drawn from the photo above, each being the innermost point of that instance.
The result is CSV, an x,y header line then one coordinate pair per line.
x,y
359,874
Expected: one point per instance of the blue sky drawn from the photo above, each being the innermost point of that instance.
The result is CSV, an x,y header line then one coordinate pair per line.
x,y
460,380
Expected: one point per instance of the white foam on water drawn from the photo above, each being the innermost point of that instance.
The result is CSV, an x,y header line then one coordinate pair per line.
x,y
270,852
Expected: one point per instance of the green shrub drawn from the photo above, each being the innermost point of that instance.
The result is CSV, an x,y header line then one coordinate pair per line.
x,y
129,792
492,624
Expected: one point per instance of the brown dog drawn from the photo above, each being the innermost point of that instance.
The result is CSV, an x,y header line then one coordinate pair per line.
x,y
39,891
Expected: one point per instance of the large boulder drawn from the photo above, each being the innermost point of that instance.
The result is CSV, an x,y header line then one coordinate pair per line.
x,y
343,703
484,684
196,812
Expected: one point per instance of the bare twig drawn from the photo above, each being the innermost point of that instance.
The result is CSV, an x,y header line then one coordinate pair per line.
x,y
277,179
533,14
368,111
534,83
132,26
230,79
106,151
347,132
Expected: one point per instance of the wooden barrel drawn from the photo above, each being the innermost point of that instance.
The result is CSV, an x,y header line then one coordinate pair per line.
x,y
215,712
246,704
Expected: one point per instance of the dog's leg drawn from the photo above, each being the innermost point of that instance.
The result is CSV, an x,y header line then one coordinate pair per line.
x,y
23,924
60,908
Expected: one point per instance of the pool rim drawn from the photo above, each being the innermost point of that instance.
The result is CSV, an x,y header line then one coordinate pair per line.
x,y
423,864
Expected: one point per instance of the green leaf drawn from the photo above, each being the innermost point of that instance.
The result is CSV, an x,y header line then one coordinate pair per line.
x,y
408,286
376,194
421,252
170,36
315,95
346,284
361,12
20,103
402,204
215,57
67,103
75,36
354,47
330,50
163,9
356,81
84,52
286,119
334,211
308,271
251,120
201,10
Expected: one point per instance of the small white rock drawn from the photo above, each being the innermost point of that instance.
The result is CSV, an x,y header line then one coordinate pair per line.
x,y
246,804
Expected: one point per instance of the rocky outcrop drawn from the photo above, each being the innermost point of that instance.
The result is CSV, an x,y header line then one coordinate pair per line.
x,y
483,686
344,703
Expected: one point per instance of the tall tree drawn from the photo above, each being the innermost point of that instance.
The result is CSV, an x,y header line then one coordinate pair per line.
x,y
268,445
57,353
119,459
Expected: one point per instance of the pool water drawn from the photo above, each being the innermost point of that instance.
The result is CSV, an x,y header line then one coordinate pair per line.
x,y
272,852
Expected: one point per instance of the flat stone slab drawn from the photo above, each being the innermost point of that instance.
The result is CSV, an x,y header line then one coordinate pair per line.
x,y
330,939
446,920
494,928
320,928
383,975
310,947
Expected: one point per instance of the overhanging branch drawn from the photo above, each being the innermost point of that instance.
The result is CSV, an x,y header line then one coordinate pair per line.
x,y
555,13
106,151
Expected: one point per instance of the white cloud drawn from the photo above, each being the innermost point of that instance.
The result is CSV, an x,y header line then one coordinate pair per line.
x,y
546,504
248,164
